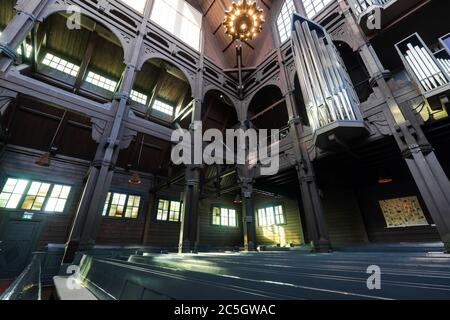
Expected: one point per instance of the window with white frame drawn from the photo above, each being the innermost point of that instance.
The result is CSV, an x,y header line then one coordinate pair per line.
x,y
169,210
271,216
138,5
138,97
179,18
313,7
34,196
224,217
119,205
101,81
284,20
163,107
59,64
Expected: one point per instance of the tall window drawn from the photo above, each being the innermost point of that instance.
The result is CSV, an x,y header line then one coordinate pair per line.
x,y
224,217
169,211
34,196
271,216
119,205
138,5
313,7
179,18
284,20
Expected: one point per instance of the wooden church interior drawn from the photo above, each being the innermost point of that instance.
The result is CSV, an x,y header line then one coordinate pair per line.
x,y
87,178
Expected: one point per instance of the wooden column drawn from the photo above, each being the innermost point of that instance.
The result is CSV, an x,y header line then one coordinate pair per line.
x,y
312,204
246,180
89,214
191,196
17,30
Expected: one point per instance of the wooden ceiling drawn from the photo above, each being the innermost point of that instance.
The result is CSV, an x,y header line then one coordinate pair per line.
x,y
214,12
6,12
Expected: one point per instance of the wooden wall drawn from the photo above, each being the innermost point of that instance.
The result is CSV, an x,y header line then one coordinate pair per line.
x,y
218,236
162,233
21,163
370,195
117,231
290,233
343,217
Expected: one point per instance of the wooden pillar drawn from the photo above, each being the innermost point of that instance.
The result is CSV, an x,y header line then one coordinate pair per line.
x,y
151,206
246,180
189,224
418,153
89,214
312,204
17,30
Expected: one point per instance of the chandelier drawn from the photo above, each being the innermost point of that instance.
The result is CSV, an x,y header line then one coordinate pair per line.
x,y
243,20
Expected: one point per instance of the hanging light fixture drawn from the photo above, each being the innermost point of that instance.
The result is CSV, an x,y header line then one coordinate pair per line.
x,y
136,179
243,20
44,160
384,177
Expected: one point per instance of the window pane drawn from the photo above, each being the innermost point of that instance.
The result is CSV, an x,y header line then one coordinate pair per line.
x,y
58,198
59,64
163,107
180,19
133,207
175,209
232,217
105,209
138,97
313,7
224,217
138,5
163,210
284,20
216,216
12,193
102,82
36,196
271,216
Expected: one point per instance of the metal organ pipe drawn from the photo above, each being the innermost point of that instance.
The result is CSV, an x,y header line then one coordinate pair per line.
x,y
326,86
430,72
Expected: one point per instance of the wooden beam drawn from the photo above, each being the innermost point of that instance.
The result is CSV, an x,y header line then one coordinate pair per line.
x,y
92,42
161,79
228,46
276,104
209,8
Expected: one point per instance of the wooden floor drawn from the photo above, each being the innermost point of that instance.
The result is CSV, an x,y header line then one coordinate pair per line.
x,y
295,275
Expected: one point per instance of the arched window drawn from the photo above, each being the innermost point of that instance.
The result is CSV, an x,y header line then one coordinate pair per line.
x,y
313,7
284,20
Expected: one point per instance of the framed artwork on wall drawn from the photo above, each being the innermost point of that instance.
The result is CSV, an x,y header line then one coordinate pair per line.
x,y
403,212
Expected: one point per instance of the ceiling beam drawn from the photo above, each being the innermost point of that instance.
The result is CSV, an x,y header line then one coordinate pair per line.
x,y
161,79
87,56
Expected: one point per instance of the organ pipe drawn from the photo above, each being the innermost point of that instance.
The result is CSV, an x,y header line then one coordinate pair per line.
x,y
428,71
327,90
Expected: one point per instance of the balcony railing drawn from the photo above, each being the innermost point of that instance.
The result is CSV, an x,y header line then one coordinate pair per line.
x,y
428,71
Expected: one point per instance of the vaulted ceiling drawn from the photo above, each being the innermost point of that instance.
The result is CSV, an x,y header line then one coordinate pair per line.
x,y
214,12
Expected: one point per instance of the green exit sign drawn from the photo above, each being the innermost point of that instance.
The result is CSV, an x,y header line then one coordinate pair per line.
x,y
27,216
